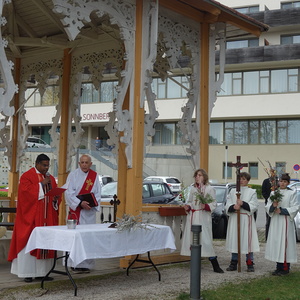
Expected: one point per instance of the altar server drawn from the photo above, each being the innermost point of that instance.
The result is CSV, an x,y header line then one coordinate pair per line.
x,y
201,202
247,204
282,207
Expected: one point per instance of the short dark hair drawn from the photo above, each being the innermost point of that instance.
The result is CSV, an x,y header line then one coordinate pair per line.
x,y
245,175
42,157
285,176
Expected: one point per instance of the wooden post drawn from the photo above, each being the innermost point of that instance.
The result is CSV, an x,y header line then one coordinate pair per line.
x,y
14,172
133,201
63,139
238,165
204,97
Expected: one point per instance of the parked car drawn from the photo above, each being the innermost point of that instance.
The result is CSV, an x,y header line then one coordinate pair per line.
x,y
173,182
297,220
104,179
219,216
294,185
153,192
35,142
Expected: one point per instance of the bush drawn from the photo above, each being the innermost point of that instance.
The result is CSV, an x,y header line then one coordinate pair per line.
x,y
257,187
3,194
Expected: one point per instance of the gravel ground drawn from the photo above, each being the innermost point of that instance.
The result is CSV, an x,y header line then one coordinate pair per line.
x,y
143,284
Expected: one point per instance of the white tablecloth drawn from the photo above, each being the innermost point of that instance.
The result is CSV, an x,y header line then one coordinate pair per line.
x,y
99,241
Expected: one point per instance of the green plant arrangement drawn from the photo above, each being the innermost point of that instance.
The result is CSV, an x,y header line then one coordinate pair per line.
x,y
203,199
277,196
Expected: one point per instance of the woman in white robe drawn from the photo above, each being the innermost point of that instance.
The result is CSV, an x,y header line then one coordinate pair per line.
x,y
200,214
281,243
248,205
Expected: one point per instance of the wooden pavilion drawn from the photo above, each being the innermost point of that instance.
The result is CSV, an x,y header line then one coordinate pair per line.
x,y
69,42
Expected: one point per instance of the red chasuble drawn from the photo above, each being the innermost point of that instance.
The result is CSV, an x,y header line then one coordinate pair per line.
x,y
86,189
31,213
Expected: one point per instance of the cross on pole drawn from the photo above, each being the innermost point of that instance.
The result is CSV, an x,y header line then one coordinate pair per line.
x,y
238,165
115,202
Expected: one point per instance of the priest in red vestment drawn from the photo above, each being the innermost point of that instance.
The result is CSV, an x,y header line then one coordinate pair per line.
x,y
33,209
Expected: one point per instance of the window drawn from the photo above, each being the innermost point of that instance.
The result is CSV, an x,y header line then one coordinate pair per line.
x,y
280,168
290,39
260,82
242,44
166,134
228,174
216,133
248,9
291,4
170,88
106,92
253,170
50,97
267,132
255,132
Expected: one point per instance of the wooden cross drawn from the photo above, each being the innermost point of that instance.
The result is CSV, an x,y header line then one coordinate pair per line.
x,y
238,165
115,203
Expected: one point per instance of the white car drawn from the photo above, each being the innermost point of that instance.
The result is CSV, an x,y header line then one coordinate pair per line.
x,y
104,179
35,142
173,182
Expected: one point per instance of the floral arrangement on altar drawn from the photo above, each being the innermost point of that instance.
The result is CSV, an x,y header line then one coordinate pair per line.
x,y
129,222
277,196
203,199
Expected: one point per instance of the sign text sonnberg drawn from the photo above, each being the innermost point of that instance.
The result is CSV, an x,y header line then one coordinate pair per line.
x,y
99,116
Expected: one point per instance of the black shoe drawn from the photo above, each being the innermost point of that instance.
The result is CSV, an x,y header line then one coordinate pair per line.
x,y
250,268
46,279
77,270
283,272
232,266
28,279
276,272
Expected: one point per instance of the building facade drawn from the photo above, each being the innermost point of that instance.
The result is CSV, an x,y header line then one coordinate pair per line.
x,y
256,115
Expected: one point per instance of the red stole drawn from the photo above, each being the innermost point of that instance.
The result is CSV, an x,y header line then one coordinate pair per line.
x,y
86,189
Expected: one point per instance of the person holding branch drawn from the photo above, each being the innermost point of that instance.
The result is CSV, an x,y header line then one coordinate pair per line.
x,y
201,202
246,205
282,207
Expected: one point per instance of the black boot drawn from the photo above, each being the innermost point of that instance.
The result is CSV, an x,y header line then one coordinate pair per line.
x,y
232,266
216,266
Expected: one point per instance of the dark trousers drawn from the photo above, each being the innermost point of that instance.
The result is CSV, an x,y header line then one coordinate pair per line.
x,y
268,221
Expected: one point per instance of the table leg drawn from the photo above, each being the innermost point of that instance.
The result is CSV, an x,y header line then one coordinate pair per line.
x,y
149,261
66,256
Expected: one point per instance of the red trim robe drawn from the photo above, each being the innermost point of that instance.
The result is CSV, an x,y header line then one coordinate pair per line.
x,y
86,189
30,213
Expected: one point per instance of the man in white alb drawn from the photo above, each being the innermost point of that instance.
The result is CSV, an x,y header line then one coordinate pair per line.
x,y
83,181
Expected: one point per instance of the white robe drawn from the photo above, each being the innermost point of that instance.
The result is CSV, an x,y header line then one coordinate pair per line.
x,y
74,184
200,217
281,242
248,231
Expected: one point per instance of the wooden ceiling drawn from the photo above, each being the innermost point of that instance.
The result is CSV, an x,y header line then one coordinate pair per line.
x,y
32,24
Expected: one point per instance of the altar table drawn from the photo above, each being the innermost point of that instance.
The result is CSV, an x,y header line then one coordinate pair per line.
x,y
98,241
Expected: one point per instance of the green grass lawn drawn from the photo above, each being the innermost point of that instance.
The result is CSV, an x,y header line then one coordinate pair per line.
x,y
267,288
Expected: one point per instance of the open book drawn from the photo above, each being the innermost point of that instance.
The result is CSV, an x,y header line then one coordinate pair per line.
x,y
90,198
57,191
